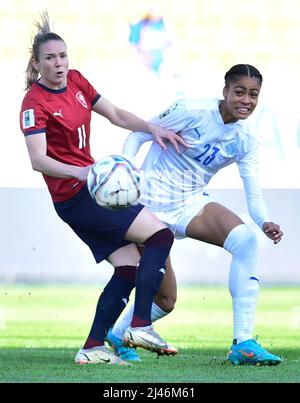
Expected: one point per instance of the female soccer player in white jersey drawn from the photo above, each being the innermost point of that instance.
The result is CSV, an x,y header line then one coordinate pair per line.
x,y
217,135
55,119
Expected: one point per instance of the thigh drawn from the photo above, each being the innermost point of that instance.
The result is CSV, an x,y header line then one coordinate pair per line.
x,y
144,225
125,256
212,224
82,213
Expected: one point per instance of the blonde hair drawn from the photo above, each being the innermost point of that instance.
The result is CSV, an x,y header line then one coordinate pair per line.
x,y
43,35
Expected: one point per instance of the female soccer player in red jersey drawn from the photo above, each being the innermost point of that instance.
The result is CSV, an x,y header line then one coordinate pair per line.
x,y
55,119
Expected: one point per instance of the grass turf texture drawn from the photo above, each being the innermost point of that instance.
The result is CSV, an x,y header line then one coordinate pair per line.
x,y
42,328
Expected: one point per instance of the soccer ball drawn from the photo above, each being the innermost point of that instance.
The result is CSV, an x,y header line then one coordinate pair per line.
x,y
114,182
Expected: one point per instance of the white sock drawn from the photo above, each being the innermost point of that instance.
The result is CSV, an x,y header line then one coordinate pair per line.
x,y
124,322
157,312
241,242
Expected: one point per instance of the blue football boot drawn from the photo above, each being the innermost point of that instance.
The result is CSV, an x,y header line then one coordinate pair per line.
x,y
249,352
125,353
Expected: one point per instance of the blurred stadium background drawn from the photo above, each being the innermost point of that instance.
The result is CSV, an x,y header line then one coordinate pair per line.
x,y
206,39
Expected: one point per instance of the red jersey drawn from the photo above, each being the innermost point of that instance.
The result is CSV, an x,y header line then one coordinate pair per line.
x,y
65,116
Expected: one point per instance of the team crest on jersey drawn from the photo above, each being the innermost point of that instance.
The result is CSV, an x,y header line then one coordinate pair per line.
x,y
28,119
232,149
81,99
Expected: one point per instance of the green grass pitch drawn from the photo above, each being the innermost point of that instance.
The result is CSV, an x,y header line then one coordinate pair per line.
x,y
42,328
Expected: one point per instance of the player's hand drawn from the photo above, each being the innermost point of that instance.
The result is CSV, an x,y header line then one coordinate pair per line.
x,y
161,135
272,231
82,173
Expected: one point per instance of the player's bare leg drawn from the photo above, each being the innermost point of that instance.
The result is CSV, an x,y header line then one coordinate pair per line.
x,y
212,224
217,225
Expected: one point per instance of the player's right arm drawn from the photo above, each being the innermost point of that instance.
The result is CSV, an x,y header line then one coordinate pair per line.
x,y
41,162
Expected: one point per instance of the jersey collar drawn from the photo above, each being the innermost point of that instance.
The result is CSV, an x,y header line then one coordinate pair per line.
x,y
60,91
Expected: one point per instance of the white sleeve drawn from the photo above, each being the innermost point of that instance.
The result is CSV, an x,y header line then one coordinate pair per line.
x,y
134,141
175,118
256,205
178,116
249,164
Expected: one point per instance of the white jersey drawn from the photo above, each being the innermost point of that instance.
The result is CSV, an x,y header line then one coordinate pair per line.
x,y
174,180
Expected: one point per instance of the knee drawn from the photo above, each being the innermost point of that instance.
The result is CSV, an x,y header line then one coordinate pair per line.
x,y
161,238
249,243
242,241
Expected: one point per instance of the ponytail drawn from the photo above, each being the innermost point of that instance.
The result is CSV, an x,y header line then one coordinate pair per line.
x,y
43,35
31,75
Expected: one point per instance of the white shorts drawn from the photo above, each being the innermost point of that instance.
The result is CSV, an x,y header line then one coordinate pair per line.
x,y
178,219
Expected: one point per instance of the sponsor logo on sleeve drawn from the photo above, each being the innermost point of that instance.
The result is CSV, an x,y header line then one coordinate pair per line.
x,y
28,119
168,111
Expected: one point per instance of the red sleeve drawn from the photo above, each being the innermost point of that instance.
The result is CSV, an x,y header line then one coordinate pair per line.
x,y
84,85
33,118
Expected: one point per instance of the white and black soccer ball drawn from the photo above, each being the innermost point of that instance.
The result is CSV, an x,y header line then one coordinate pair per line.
x,y
114,182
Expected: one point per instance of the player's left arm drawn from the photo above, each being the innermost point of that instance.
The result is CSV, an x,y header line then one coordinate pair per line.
x,y
258,210
249,172
128,120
